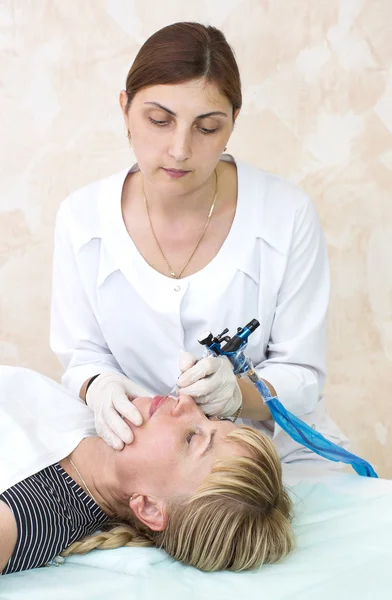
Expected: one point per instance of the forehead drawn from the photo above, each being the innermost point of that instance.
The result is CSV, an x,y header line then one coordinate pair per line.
x,y
196,94
229,445
225,445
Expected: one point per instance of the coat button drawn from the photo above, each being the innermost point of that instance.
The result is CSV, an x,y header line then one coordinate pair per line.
x,y
177,288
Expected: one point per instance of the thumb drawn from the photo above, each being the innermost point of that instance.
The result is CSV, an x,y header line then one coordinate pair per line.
x,y
186,361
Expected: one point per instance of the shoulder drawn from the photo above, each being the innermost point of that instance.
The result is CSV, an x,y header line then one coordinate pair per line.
x,y
278,208
84,202
81,214
273,191
21,385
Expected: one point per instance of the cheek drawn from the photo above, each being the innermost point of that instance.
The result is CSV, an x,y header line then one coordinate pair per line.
x,y
150,152
156,448
187,477
147,137
160,466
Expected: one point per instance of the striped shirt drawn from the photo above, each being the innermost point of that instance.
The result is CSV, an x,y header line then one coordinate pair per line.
x,y
52,511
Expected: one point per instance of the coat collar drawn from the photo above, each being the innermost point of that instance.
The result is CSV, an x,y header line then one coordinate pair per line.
x,y
257,196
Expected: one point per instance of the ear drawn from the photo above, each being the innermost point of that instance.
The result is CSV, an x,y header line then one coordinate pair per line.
x,y
150,510
123,99
237,112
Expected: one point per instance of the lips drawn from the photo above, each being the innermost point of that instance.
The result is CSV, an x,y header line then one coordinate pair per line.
x,y
175,173
157,403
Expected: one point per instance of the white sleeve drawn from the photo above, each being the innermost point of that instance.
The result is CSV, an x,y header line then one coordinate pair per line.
x,y
75,335
296,353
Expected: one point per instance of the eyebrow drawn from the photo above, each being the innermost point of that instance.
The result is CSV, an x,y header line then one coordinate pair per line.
x,y
210,443
213,113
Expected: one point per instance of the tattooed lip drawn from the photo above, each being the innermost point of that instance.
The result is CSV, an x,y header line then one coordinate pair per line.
x,y
157,402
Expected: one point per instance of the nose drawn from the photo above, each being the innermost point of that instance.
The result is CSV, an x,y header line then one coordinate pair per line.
x,y
180,145
183,406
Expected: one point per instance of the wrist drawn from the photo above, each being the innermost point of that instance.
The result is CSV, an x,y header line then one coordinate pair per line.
x,y
83,389
89,382
253,405
237,413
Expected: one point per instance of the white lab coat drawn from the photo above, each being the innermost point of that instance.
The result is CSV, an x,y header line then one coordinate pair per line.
x,y
112,312
40,424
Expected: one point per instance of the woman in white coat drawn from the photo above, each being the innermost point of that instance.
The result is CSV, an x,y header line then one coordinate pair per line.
x,y
190,239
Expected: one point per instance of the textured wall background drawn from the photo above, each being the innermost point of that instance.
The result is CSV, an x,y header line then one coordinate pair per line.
x,y
317,78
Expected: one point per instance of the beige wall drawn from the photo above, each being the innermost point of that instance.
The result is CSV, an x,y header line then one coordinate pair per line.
x,y
317,109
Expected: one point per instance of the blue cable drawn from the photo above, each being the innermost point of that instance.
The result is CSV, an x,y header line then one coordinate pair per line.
x,y
302,433
297,429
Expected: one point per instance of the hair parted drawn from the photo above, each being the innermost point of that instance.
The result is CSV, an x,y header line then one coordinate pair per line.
x,y
183,52
238,519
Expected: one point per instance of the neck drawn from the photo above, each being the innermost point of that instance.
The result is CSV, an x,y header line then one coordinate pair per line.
x,y
192,203
95,461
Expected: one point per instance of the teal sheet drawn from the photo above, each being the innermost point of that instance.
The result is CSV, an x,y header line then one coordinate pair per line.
x,y
344,552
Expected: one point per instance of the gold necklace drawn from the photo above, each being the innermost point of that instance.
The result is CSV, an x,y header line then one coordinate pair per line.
x,y
172,272
82,480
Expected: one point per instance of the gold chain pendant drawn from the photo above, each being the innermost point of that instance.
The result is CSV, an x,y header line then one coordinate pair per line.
x,y
172,273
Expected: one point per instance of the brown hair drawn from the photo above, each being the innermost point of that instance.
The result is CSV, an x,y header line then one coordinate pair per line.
x,y
182,52
239,518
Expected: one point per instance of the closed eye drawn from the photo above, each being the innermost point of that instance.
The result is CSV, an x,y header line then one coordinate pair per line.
x,y
159,123
190,436
207,131
210,444
202,130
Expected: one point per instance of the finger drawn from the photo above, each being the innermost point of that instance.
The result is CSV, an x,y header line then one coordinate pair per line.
x,y
204,367
200,389
208,410
212,400
186,361
118,426
217,408
125,408
110,437
134,390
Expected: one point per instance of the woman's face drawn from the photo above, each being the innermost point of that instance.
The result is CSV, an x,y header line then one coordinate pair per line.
x,y
175,448
184,127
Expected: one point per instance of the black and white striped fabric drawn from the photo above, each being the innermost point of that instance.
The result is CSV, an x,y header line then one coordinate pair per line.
x,y
52,511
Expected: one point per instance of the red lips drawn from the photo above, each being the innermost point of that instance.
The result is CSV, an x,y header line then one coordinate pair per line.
x,y
156,403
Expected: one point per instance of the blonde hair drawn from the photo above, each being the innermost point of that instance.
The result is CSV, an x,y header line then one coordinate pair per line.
x,y
238,519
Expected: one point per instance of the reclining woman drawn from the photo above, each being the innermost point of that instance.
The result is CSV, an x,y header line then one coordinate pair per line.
x,y
206,491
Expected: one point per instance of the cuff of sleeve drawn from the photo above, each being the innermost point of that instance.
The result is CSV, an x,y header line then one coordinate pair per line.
x,y
74,378
296,387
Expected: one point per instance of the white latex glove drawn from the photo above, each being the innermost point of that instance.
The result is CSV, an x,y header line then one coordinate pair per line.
x,y
109,397
212,384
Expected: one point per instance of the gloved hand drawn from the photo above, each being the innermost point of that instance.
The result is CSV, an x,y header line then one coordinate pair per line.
x,y
109,397
212,384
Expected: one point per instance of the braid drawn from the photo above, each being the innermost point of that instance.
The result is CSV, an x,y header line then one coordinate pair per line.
x,y
118,536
